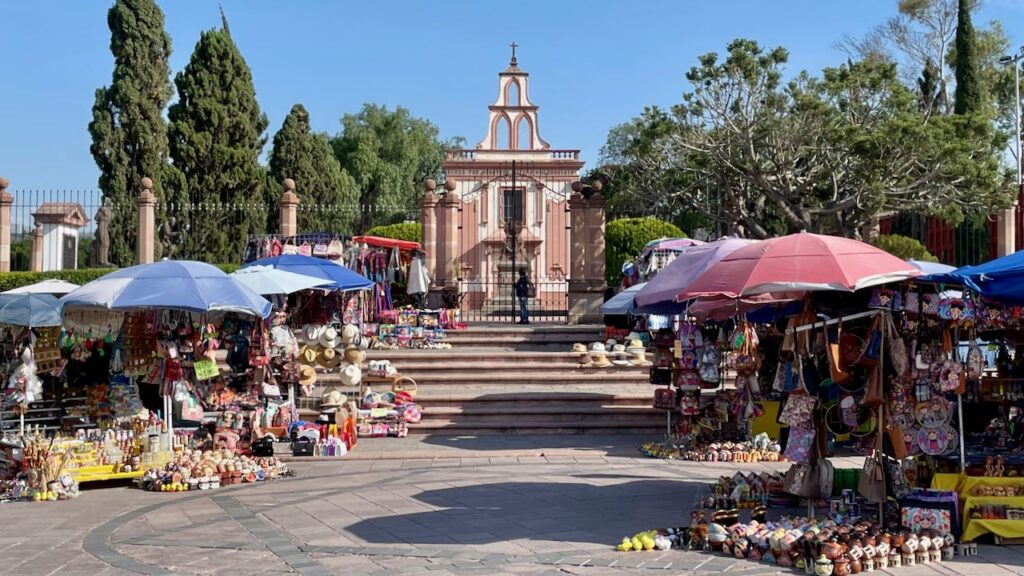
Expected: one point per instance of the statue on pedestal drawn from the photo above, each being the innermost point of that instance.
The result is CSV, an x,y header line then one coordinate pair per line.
x,y
99,256
168,244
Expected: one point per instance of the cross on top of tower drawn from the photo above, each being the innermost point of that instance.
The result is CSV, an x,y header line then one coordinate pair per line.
x,y
513,61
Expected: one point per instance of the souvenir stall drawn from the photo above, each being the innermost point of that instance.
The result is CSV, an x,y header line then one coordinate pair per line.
x,y
318,245
31,324
176,316
654,258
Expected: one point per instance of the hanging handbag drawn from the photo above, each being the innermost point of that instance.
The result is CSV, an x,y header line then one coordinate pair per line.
x,y
872,478
875,393
836,366
665,399
801,480
800,445
798,411
808,376
895,434
975,362
897,481
873,345
898,357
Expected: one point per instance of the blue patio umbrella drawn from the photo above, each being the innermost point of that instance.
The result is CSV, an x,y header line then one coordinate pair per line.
x,y
930,268
340,277
32,310
622,303
170,284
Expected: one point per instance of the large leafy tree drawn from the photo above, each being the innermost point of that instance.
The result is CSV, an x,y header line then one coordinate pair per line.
x,y
216,135
129,134
329,197
389,153
824,154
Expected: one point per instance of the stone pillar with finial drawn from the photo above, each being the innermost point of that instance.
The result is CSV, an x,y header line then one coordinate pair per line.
x,y
6,200
586,259
36,262
289,209
428,220
145,203
447,237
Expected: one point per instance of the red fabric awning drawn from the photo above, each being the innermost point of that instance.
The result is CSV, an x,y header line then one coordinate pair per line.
x,y
379,242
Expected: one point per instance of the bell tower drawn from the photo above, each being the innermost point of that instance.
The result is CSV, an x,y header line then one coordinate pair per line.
x,y
512,123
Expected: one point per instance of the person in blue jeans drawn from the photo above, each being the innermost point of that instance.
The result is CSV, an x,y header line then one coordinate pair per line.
x,y
523,286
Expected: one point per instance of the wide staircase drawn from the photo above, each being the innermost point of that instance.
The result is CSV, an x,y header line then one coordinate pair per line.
x,y
522,380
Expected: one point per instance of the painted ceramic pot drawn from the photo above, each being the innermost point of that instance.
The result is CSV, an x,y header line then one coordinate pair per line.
x,y
842,566
832,550
869,564
895,560
823,567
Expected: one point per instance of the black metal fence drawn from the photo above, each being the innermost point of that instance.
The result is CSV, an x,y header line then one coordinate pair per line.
x,y
68,225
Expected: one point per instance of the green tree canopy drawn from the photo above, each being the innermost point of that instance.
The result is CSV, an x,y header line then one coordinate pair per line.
x,y
129,134
625,238
328,194
216,135
389,153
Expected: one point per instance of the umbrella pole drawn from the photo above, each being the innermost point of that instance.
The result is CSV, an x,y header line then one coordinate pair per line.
x,y
960,402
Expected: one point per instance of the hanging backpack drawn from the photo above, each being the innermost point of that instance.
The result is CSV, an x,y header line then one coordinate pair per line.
x,y
709,361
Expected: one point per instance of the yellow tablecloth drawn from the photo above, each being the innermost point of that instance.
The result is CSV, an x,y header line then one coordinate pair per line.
x,y
967,484
1004,528
767,422
944,481
972,502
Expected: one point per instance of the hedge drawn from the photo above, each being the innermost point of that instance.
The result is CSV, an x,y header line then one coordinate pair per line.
x,y
12,280
904,247
625,238
409,231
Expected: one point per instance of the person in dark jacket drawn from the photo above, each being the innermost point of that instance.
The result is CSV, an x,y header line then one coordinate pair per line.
x,y
523,286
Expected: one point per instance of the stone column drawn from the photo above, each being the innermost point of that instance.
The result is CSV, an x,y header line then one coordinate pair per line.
x,y
448,237
428,220
289,209
6,200
586,257
1006,232
37,249
145,203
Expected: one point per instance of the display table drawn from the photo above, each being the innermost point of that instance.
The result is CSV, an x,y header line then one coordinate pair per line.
x,y
976,527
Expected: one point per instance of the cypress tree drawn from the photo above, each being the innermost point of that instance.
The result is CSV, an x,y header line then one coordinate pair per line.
x,y
329,196
216,135
129,134
968,96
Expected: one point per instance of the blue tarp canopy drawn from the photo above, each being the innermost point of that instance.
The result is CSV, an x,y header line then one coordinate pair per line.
x,y
622,303
1001,280
32,310
170,284
340,277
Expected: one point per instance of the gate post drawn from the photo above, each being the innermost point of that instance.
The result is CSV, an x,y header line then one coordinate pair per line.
x,y
289,208
36,261
6,200
146,205
428,221
586,258
447,238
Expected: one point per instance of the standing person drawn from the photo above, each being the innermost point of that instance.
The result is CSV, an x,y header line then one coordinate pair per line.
x,y
523,289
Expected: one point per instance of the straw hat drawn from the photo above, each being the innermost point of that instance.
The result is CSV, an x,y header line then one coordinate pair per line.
x,y
349,333
351,375
329,358
611,342
354,355
333,399
311,332
307,376
308,355
329,338
639,359
601,361
618,350
585,360
633,336
579,348
597,347
635,345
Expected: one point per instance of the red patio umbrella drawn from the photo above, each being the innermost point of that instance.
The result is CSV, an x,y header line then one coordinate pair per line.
x,y
799,263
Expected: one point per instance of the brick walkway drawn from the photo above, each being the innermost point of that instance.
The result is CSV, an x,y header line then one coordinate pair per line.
x,y
465,514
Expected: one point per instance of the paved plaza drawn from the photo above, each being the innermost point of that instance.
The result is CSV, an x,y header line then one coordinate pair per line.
x,y
556,508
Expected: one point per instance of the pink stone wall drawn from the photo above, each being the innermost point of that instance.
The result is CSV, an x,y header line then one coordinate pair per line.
x,y
556,244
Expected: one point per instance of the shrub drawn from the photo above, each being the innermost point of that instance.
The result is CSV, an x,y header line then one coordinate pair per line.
x,y
626,237
904,247
410,231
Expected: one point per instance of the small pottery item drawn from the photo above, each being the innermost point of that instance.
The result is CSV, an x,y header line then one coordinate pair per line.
x,y
922,557
910,544
895,559
896,542
948,553
842,566
823,567
869,564
882,563
908,559
855,566
935,555
882,549
832,550
870,551
855,552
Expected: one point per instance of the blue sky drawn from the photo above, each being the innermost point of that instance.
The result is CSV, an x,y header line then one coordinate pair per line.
x,y
593,64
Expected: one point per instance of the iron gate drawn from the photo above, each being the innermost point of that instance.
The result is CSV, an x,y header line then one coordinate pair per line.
x,y
515,220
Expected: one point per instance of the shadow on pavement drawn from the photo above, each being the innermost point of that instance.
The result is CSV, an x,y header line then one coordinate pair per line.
x,y
537,511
